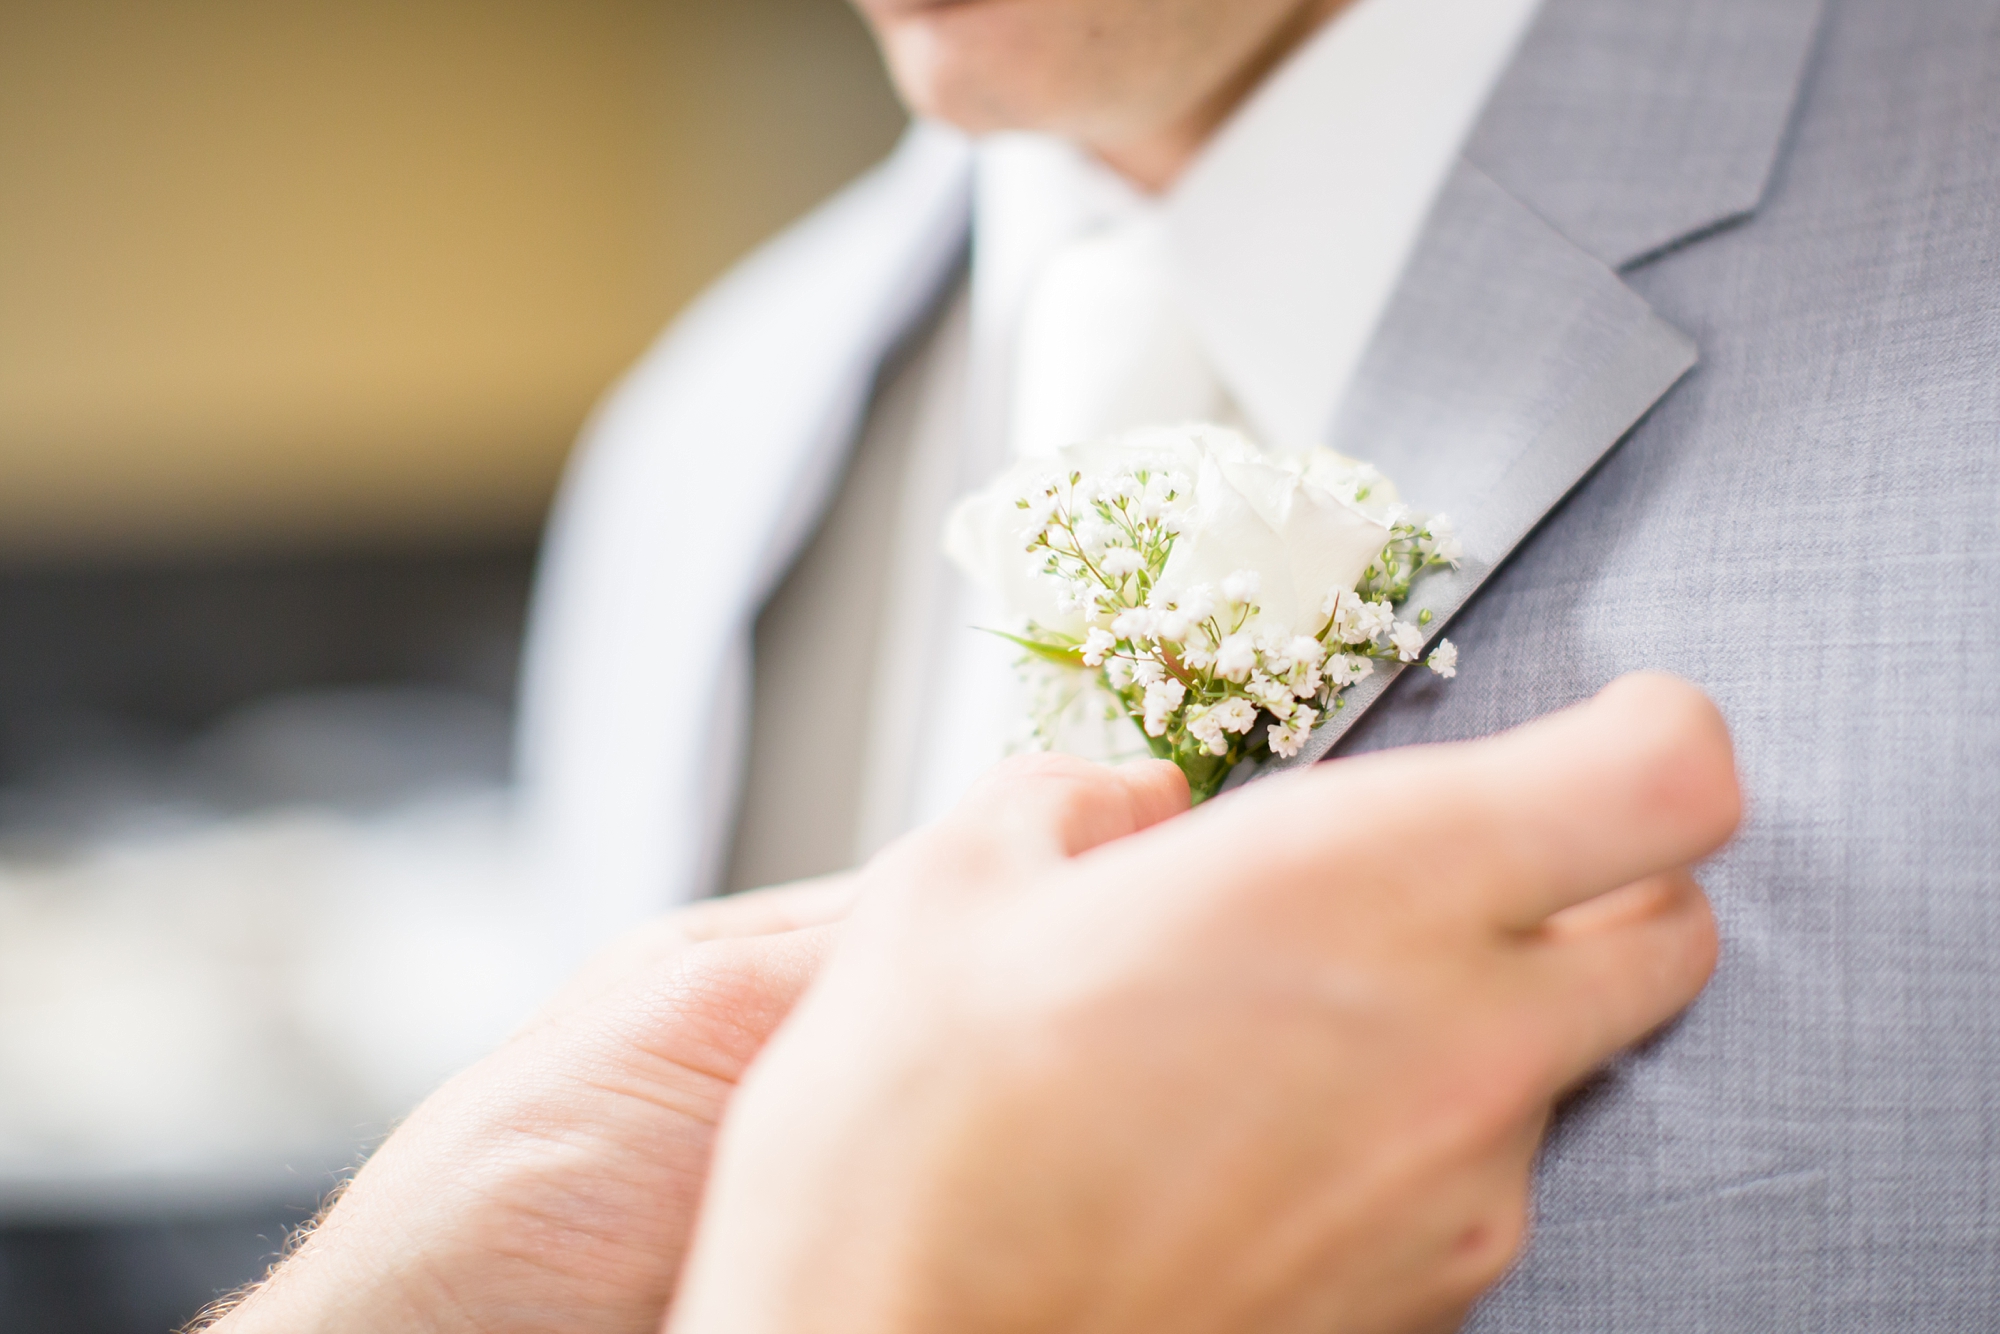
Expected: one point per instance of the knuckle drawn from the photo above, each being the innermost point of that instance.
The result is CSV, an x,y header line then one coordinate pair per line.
x,y
1489,1246
1514,1085
1045,783
957,855
1690,944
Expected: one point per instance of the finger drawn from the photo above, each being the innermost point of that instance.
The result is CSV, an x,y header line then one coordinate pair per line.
x,y
1515,827
1504,831
1611,971
1053,806
1636,781
760,912
763,912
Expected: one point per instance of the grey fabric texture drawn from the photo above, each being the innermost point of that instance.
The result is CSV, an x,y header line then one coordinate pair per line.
x,y
1808,525
1665,116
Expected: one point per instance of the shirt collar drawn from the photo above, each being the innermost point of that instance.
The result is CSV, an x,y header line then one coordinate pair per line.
x,y
1288,234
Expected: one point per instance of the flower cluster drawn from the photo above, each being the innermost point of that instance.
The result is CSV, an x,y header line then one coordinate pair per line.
x,y
1219,598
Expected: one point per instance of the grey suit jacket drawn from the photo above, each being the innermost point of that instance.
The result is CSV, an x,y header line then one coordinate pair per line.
x,y
1808,524
1701,348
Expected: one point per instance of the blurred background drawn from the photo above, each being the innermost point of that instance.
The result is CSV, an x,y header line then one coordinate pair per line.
x,y
301,306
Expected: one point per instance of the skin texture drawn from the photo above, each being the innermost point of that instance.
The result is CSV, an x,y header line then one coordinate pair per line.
x,y
1142,83
1279,1065
552,1186
1071,1062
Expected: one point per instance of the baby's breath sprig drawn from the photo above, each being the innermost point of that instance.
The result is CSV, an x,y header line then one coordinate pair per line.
x,y
1207,684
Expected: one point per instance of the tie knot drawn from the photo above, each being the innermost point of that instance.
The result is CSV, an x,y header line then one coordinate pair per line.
x,y
1105,345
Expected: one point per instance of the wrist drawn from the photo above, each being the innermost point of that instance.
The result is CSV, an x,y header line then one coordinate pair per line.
x,y
318,1291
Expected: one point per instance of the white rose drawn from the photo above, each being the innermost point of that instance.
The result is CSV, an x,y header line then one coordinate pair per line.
x,y
1265,513
1360,484
1243,510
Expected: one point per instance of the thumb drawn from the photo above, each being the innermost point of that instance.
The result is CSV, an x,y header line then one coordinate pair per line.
x,y
1055,806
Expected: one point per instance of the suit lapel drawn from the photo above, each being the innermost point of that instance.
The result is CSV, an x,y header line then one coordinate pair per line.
x,y
1634,126
1513,356
696,484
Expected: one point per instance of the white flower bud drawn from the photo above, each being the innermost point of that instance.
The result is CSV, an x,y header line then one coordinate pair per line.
x,y
1162,698
1235,715
1274,697
1346,669
1198,602
1443,543
1236,658
1242,586
1358,622
1119,562
1041,509
1135,624
1273,688
1206,728
1444,659
1290,738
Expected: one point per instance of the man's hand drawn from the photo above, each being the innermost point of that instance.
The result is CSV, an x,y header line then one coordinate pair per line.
x,y
1281,1065
1284,1059
552,1186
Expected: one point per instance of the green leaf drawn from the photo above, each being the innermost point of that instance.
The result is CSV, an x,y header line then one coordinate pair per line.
x,y
1062,655
1205,773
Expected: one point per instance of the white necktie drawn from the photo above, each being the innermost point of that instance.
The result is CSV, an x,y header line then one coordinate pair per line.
x,y
1103,346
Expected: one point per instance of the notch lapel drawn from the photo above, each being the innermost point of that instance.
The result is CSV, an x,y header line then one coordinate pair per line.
x,y
1634,126
1513,357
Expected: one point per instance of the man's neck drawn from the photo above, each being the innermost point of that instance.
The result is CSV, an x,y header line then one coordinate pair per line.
x,y
1154,159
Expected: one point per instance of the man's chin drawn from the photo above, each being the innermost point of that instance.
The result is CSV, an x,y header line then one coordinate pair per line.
x,y
978,64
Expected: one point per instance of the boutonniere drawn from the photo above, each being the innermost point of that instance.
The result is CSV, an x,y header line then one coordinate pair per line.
x,y
1216,597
